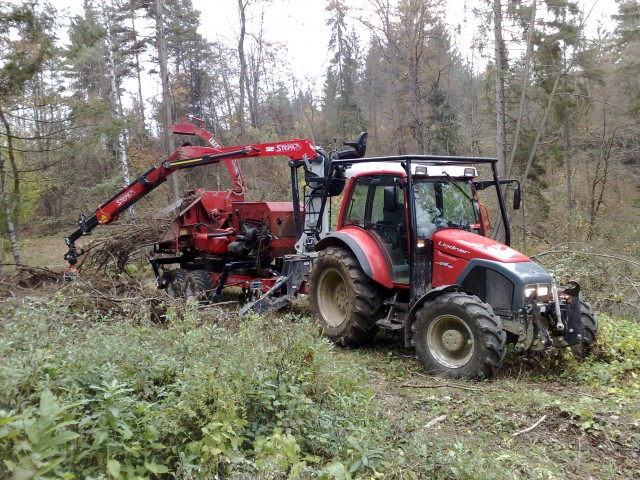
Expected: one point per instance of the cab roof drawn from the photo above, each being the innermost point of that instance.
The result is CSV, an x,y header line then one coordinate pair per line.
x,y
426,169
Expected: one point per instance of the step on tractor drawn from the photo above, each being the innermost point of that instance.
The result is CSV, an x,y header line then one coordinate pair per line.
x,y
409,251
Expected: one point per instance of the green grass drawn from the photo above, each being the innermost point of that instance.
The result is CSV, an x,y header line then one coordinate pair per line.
x,y
86,392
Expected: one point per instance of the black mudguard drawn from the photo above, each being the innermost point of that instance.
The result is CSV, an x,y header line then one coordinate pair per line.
x,y
574,331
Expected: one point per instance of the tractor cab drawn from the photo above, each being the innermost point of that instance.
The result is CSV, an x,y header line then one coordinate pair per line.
x,y
379,201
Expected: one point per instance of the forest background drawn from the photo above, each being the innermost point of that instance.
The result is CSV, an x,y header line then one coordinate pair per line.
x,y
85,102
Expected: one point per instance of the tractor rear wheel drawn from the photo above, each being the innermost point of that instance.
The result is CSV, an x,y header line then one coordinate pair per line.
x,y
175,282
458,335
198,285
590,328
342,298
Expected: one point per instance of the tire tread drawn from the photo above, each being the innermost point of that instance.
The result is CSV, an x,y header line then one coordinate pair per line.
x,y
362,326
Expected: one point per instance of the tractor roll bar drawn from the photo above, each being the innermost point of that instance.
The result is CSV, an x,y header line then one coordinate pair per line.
x,y
443,160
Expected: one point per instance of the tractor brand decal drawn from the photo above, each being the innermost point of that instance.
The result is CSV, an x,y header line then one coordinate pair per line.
x,y
213,142
452,247
444,264
288,147
125,197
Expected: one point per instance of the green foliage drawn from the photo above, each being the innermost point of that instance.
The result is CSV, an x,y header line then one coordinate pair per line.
x,y
99,396
278,453
40,437
365,458
608,280
615,364
107,396
25,42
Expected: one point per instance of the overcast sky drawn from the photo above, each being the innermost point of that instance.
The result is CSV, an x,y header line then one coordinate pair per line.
x,y
300,25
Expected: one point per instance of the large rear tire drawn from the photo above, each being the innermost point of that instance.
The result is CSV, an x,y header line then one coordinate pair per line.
x,y
198,285
458,335
175,282
342,298
590,328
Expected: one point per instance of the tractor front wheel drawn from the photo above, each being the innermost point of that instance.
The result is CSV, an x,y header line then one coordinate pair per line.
x,y
342,298
458,335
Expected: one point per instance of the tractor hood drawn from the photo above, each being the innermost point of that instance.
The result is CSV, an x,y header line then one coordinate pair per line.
x,y
467,245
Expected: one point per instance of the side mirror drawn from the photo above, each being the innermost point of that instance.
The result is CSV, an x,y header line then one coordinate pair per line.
x,y
390,199
516,198
486,221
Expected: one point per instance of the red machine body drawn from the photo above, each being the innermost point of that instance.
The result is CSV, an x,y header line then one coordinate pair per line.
x,y
216,232
452,248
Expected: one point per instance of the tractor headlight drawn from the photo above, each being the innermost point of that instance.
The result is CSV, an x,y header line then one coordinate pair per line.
x,y
539,291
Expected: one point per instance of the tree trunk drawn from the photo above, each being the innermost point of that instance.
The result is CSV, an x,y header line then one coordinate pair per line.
x,y
166,101
121,147
596,199
540,129
138,69
243,67
5,195
500,95
569,177
523,90
501,133
253,80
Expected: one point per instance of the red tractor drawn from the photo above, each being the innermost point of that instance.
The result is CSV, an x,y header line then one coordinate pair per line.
x,y
410,252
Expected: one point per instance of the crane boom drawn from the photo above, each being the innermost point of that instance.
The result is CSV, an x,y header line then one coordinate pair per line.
x,y
185,157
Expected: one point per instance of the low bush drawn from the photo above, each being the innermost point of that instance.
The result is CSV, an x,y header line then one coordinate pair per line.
x,y
89,392
615,361
88,396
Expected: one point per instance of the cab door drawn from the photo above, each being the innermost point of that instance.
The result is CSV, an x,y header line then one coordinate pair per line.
x,y
378,204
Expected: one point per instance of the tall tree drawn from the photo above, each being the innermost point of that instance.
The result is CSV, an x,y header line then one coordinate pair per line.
x,y
242,12
100,56
161,43
113,61
25,43
500,58
415,45
561,61
341,109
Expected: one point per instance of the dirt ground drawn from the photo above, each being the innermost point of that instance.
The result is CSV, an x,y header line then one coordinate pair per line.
x,y
532,414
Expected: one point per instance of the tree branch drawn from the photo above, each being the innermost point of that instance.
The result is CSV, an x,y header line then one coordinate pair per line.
x,y
528,429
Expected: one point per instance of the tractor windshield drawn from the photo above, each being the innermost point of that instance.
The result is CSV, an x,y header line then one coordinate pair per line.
x,y
445,203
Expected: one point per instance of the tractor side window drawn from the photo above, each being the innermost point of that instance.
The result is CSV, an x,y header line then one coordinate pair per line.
x,y
393,213
358,203
388,222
